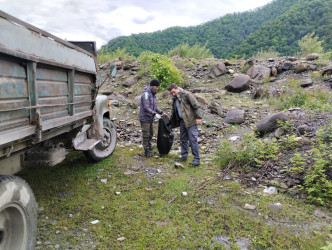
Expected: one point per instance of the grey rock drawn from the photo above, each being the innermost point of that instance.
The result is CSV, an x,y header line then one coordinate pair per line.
x,y
239,84
287,65
130,82
300,67
249,207
319,213
259,72
201,90
235,116
308,82
291,58
270,123
276,207
279,132
312,66
216,108
218,70
312,57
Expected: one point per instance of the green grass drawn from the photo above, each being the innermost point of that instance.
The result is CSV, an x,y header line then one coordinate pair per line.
x,y
150,212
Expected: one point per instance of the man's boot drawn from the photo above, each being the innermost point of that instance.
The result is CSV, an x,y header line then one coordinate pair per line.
x,y
148,153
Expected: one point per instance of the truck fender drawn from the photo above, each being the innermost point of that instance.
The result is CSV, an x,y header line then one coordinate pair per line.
x,y
101,108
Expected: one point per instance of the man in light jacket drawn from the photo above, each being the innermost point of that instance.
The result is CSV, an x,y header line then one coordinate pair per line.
x,y
187,114
148,110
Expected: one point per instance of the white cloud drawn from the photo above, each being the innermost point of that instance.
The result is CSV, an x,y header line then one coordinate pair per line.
x,y
103,20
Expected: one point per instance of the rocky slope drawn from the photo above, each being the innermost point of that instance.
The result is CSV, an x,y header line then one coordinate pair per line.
x,y
237,97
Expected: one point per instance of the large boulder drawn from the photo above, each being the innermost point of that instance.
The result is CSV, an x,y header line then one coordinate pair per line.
x,y
300,67
312,57
287,65
218,70
131,81
259,72
235,116
239,84
270,123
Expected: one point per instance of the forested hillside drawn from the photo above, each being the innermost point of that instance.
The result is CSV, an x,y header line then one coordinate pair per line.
x,y
277,26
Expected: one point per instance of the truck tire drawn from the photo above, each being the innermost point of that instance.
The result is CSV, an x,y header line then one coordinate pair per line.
x,y
106,147
18,214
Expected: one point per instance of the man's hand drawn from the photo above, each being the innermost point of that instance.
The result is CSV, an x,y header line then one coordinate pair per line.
x,y
158,116
198,121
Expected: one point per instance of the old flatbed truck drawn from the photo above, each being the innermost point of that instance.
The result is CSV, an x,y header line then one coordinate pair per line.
x,y
48,104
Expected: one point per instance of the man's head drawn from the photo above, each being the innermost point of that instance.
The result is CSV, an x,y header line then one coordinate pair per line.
x,y
154,84
173,89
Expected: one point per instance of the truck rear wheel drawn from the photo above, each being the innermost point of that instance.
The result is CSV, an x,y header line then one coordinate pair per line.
x,y
106,147
18,214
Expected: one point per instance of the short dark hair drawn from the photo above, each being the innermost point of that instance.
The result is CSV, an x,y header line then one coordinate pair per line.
x,y
172,86
155,82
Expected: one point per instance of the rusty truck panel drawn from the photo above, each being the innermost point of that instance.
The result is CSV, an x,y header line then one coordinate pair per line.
x,y
45,84
31,43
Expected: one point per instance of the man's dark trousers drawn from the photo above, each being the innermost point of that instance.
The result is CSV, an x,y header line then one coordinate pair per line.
x,y
147,133
189,136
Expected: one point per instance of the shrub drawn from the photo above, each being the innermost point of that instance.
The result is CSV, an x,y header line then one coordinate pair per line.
x,y
159,67
253,152
310,44
318,179
185,51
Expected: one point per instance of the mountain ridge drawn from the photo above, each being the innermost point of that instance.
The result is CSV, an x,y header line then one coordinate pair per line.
x,y
277,25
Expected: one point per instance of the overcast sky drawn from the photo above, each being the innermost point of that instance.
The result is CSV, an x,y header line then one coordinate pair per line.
x,y
103,20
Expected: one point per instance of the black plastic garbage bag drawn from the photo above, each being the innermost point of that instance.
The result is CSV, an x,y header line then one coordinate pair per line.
x,y
165,136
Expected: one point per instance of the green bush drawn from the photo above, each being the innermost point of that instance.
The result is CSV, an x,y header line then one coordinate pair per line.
x,y
253,152
310,44
185,51
318,179
159,67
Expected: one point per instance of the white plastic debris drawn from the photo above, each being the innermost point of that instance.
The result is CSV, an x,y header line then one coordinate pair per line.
x,y
184,193
121,239
270,190
233,138
94,222
117,193
104,181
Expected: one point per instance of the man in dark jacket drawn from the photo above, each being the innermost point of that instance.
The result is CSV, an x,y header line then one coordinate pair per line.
x,y
187,114
148,110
